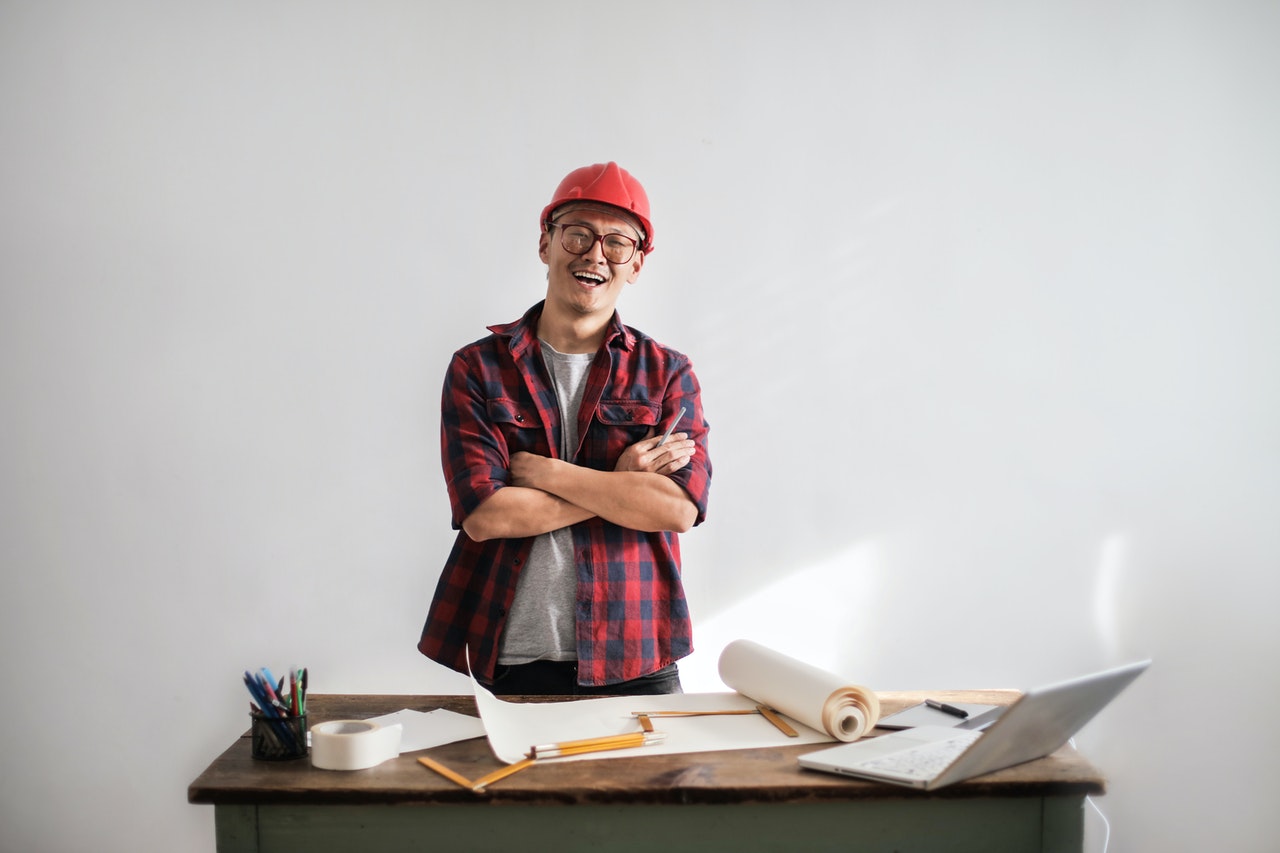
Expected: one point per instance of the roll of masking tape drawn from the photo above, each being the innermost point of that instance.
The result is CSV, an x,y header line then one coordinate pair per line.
x,y
353,744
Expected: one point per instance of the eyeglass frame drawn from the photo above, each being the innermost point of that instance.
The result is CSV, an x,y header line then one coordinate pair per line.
x,y
596,238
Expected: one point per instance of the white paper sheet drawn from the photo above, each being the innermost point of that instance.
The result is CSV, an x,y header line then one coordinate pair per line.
x,y
513,727
425,729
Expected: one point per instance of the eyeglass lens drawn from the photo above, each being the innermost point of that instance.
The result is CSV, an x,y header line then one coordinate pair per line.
x,y
577,239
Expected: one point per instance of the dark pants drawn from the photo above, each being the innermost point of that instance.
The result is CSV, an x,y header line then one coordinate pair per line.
x,y
560,678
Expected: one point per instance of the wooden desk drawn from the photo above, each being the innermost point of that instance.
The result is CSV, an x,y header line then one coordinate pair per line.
x,y
749,800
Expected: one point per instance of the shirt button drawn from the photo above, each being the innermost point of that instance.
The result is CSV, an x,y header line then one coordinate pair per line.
x,y
519,419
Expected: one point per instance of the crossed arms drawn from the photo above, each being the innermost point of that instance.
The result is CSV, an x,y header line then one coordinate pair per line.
x,y
546,494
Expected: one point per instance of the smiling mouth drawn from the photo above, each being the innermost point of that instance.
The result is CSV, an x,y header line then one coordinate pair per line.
x,y
589,279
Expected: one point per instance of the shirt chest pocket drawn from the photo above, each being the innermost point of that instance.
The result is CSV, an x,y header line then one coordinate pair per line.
x,y
519,425
618,424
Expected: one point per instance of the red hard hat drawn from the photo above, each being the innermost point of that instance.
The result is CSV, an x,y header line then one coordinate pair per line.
x,y
607,183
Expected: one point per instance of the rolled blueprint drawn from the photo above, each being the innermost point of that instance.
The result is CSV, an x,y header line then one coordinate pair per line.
x,y
813,696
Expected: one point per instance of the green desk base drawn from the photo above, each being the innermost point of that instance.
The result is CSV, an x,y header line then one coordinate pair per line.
x,y
915,825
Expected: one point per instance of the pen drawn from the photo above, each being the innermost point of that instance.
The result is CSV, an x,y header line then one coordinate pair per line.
x,y
255,690
258,689
947,709
670,429
270,692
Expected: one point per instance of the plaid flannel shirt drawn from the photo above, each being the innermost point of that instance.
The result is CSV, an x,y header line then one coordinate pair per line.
x,y
632,616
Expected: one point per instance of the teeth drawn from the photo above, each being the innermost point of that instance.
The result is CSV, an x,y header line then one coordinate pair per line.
x,y
586,276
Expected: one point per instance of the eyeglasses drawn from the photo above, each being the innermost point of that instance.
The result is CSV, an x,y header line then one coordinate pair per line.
x,y
578,240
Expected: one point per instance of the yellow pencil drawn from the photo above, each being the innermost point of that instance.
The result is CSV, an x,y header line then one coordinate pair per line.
x,y
501,773
693,713
445,772
555,750
596,744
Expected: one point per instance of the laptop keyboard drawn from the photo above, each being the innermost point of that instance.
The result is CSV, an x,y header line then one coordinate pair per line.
x,y
924,761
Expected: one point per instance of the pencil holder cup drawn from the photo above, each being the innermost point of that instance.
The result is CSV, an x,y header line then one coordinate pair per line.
x,y
278,738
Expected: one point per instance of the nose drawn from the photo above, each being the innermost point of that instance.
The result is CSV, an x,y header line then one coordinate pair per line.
x,y
595,252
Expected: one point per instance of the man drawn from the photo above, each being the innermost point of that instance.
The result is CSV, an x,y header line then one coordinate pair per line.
x,y
565,575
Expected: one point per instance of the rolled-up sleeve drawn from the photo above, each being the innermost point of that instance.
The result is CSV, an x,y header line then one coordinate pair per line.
x,y
695,478
473,451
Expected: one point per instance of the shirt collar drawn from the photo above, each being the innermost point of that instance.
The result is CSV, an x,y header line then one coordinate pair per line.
x,y
523,332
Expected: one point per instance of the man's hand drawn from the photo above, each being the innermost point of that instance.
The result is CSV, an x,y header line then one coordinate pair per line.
x,y
647,455
526,467
636,494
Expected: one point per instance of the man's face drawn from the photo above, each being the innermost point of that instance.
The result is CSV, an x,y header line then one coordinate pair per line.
x,y
588,283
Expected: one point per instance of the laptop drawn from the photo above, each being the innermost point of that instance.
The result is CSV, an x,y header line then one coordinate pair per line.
x,y
929,757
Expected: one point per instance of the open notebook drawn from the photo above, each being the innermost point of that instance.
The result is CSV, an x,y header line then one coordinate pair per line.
x,y
929,757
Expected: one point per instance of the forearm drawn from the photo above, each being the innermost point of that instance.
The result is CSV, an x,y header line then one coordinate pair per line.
x,y
639,500
514,512
546,494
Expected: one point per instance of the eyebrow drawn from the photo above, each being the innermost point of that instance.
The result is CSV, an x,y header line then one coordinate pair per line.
x,y
568,219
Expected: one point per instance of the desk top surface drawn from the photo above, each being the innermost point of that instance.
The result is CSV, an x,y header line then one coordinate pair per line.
x,y
742,776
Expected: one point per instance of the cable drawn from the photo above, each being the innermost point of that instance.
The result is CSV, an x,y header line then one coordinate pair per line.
x,y
1106,824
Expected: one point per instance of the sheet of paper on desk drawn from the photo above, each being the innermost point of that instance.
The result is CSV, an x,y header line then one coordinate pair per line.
x,y
818,705
513,727
923,715
425,729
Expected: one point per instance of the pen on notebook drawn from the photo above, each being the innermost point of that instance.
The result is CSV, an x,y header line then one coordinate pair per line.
x,y
670,429
947,709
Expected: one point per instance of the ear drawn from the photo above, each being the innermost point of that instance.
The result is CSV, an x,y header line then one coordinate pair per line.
x,y
544,245
637,263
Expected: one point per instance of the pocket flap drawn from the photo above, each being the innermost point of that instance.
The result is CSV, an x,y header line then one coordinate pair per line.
x,y
505,411
628,412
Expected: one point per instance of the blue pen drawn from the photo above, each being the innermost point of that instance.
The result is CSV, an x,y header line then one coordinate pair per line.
x,y
268,713
270,692
255,690
270,710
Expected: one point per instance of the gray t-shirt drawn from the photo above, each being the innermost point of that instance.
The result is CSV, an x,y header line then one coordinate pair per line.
x,y
542,623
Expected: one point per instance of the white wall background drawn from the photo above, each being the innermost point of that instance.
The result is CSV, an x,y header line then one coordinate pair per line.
x,y
984,297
